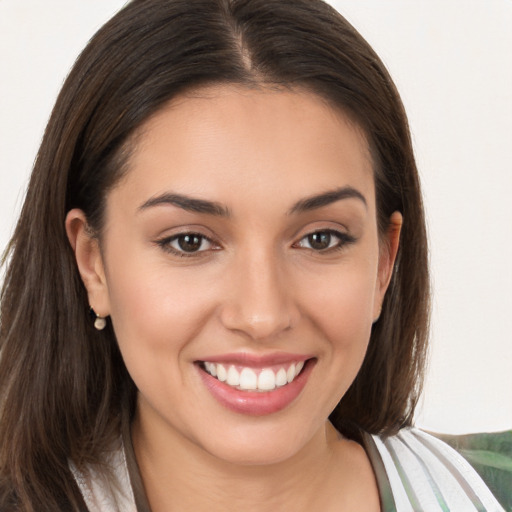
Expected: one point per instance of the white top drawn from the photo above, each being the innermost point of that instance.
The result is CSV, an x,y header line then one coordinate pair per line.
x,y
415,472
418,472
103,495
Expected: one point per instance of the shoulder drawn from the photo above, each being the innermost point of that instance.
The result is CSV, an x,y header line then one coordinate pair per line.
x,y
423,473
107,489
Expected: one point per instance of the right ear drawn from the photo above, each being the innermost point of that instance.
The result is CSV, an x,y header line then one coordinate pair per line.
x,y
89,260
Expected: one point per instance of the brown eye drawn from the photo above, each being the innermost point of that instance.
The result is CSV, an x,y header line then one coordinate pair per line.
x,y
324,241
189,242
320,240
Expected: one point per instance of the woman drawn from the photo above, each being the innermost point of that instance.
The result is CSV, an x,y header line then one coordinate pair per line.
x,y
235,201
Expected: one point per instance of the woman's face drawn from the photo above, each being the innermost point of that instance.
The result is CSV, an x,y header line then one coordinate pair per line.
x,y
241,266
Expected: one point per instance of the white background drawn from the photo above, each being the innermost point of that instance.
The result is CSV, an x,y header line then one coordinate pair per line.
x,y
452,62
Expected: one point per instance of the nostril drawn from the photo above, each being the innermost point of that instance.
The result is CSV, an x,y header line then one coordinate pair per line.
x,y
257,326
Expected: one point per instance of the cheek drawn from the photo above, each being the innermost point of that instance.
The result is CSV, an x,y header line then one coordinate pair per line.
x,y
341,305
340,309
157,316
156,311
346,322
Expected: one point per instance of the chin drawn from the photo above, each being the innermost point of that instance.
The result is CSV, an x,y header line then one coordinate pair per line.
x,y
260,444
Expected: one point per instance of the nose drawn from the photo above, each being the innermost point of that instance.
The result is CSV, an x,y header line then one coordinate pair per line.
x,y
259,301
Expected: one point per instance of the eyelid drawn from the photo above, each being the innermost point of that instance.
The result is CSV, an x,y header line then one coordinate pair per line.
x,y
165,244
344,239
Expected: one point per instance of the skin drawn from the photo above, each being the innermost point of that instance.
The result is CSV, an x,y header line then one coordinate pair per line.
x,y
257,287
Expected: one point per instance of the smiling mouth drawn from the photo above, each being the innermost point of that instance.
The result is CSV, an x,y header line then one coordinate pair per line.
x,y
244,378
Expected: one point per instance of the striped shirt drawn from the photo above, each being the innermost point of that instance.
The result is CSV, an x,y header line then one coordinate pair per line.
x,y
417,472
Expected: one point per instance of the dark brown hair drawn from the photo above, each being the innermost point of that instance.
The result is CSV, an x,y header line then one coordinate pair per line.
x,y
63,385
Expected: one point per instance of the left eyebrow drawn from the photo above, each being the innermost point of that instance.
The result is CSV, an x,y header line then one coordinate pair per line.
x,y
327,198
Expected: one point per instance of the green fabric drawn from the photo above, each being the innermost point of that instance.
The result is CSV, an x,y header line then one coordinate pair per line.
x,y
491,456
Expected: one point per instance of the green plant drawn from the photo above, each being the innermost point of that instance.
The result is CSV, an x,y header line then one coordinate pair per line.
x,y
491,456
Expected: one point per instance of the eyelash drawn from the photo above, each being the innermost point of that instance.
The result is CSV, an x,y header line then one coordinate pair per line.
x,y
165,244
343,240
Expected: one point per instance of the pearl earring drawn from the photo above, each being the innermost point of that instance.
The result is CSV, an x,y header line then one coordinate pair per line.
x,y
100,322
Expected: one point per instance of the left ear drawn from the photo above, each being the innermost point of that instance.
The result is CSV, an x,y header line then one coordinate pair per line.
x,y
387,255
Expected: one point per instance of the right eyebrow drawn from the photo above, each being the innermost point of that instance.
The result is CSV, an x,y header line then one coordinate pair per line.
x,y
187,203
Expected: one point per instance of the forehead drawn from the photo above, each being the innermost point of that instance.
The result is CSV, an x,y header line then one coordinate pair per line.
x,y
232,142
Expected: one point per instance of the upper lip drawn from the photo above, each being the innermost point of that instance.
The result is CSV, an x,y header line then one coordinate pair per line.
x,y
256,360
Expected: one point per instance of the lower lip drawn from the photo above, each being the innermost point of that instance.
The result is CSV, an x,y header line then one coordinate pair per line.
x,y
257,403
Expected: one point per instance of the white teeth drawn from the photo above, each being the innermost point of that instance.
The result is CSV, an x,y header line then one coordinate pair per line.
x,y
233,378
281,377
211,368
248,379
221,373
267,380
290,374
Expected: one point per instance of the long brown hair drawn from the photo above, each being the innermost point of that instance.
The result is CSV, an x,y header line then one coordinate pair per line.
x,y
63,385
